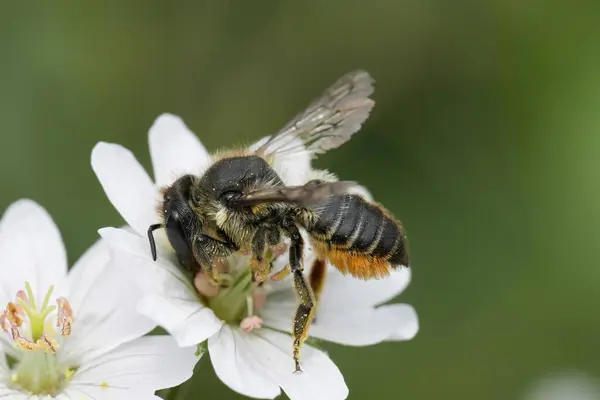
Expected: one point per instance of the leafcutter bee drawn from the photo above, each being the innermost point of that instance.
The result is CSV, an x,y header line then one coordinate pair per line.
x,y
241,202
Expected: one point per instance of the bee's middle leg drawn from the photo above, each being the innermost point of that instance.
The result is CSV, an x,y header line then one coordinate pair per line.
x,y
260,263
305,310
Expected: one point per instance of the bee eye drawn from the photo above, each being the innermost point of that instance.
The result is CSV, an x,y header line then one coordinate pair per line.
x,y
229,197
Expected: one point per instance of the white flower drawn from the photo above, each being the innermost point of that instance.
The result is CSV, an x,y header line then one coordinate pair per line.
x,y
564,385
76,334
257,363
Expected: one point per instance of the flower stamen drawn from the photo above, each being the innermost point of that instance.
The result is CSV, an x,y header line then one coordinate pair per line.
x,y
49,345
65,316
23,313
38,371
14,315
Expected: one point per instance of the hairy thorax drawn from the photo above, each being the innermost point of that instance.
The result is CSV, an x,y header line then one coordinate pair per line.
x,y
229,176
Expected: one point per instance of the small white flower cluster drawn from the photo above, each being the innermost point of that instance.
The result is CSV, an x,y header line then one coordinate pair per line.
x,y
80,333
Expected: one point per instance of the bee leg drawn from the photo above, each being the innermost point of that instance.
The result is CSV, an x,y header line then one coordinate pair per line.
x,y
205,250
273,236
317,276
259,265
305,310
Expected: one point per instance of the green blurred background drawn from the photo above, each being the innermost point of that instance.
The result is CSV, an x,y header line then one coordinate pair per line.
x,y
484,142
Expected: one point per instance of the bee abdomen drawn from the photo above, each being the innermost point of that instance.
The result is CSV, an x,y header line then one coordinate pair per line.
x,y
360,237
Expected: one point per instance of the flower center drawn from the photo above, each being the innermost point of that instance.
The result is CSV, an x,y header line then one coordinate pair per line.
x,y
231,303
37,370
242,298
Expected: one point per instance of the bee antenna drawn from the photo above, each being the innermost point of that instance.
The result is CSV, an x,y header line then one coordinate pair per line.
x,y
151,229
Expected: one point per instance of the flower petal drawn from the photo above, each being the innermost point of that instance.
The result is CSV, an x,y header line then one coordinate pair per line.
x,y
82,276
187,320
11,394
410,323
153,277
320,379
293,169
103,393
340,290
237,367
175,150
353,326
126,184
146,364
31,249
104,307
169,299
3,367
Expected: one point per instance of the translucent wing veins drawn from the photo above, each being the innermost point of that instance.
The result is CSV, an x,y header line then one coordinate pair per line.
x,y
329,121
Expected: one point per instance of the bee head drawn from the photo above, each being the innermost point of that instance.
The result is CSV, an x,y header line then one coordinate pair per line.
x,y
180,220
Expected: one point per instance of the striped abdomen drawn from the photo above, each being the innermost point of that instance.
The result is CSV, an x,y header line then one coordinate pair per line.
x,y
359,237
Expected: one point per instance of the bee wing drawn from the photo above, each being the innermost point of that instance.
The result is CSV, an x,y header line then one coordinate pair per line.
x,y
328,122
311,193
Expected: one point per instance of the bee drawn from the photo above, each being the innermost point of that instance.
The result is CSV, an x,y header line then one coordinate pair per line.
x,y
241,202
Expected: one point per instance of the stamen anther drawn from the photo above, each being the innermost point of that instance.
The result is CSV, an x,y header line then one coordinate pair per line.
x,y
65,316
14,314
4,324
49,345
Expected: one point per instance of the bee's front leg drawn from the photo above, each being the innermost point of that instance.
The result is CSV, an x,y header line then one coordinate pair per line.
x,y
207,250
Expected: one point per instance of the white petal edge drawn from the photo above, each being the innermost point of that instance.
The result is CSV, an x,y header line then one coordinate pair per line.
x,y
410,323
175,150
237,367
340,291
188,321
564,385
320,379
126,184
31,249
144,365
350,327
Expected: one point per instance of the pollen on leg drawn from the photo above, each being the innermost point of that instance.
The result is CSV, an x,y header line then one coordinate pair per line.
x,y
282,274
260,268
279,249
248,324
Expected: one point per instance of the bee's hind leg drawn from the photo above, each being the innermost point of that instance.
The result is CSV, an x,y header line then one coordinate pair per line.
x,y
305,311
